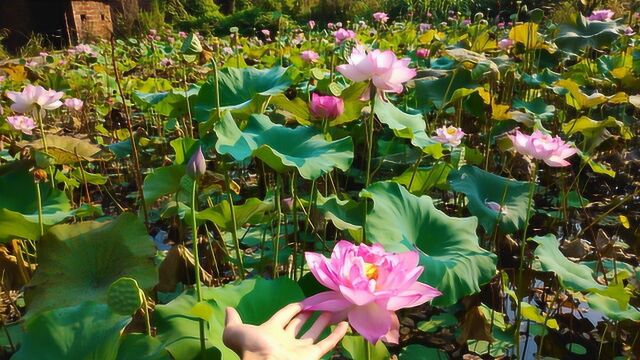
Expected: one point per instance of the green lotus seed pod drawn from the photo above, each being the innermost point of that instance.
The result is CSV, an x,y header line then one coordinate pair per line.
x,y
124,296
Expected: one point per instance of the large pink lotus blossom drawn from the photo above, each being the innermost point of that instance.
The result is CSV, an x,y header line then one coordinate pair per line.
x,y
343,34
32,96
381,17
367,285
387,72
552,150
22,123
601,15
326,107
450,135
505,44
74,104
309,56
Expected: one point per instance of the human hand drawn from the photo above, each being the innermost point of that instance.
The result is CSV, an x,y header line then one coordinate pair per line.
x,y
278,338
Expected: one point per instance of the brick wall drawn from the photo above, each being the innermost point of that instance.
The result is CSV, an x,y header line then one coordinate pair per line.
x,y
91,19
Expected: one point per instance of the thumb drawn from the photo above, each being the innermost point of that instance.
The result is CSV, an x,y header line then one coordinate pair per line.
x,y
232,318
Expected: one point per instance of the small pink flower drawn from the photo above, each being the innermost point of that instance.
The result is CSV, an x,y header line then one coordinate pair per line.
x,y
182,34
312,24
153,32
166,62
343,34
552,150
601,15
171,39
466,22
496,207
309,56
22,123
44,54
501,25
326,107
74,104
367,285
449,135
424,27
331,26
387,72
266,32
32,96
339,24
381,17
505,44
629,31
422,53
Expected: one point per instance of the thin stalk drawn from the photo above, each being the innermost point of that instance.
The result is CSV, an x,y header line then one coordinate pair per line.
x,y
369,132
294,212
134,146
278,223
40,217
234,222
522,253
196,256
145,309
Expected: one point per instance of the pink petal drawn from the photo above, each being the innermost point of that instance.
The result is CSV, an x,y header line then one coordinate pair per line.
x,y
357,296
371,321
326,301
417,294
318,266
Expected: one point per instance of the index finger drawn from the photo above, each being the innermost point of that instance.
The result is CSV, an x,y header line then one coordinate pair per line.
x,y
286,314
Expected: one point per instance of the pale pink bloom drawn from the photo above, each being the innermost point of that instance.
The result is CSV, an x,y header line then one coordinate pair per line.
x,y
32,96
83,49
424,27
387,72
449,135
312,24
339,24
31,64
74,104
466,22
266,32
496,207
505,44
166,62
44,54
2,78
326,107
366,286
153,32
552,150
227,50
422,53
182,34
381,17
171,39
501,25
629,31
343,34
22,123
309,56
601,15
331,26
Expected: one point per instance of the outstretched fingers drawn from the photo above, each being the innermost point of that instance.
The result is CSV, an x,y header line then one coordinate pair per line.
x,y
333,339
294,327
284,316
317,328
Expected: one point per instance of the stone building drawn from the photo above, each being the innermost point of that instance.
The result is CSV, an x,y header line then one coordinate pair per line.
x,y
63,22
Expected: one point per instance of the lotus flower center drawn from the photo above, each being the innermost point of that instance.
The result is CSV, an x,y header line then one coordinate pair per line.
x,y
371,271
451,130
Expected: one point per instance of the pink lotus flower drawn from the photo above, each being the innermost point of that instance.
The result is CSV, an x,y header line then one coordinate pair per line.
x,y
44,54
424,27
501,25
505,44
331,26
32,96
387,72
629,31
422,53
266,32
601,15
466,22
22,123
496,207
367,285
309,56
326,107
449,135
166,62
74,104
312,24
343,34
381,17
182,34
552,150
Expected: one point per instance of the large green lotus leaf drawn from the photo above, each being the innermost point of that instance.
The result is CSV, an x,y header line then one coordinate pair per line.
x,y
242,90
404,125
449,251
611,308
585,33
256,300
166,180
303,148
172,103
88,331
68,149
425,178
136,346
439,92
19,205
571,275
78,262
421,352
536,107
250,212
356,347
344,214
482,187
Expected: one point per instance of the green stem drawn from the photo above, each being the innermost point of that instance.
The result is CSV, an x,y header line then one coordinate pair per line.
x,y
234,223
369,132
278,223
145,309
196,256
522,253
217,85
39,197
294,212
38,117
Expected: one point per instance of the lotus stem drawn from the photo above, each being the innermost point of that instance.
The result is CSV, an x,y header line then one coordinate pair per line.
x,y
234,223
276,240
196,256
294,212
145,310
216,80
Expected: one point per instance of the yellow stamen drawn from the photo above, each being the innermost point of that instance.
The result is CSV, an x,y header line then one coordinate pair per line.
x,y
371,271
451,130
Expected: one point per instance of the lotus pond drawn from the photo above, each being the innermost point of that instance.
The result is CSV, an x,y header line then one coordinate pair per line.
x,y
486,171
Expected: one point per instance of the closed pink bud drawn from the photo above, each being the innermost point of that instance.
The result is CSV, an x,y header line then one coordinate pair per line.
x,y
326,107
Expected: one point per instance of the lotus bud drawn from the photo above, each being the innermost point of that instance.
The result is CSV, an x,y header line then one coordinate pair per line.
x,y
39,175
197,165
